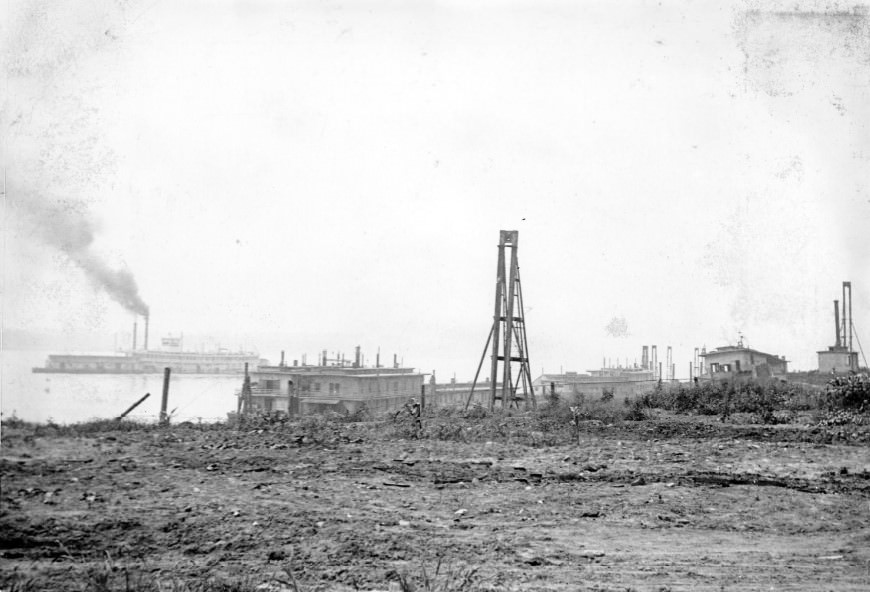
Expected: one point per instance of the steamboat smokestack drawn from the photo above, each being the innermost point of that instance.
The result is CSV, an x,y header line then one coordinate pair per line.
x,y
135,326
147,320
837,322
356,357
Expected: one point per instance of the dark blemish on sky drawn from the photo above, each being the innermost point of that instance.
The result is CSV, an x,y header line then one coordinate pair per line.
x,y
788,52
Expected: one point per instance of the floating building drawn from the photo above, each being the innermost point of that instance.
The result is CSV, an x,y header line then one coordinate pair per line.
x,y
334,384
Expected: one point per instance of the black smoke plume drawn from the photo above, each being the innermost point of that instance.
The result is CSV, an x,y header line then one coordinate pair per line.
x,y
67,227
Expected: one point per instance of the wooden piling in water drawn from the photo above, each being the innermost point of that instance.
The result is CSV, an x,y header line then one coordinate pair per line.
x,y
164,418
132,407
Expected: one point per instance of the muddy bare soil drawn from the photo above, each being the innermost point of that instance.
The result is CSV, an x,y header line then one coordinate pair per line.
x,y
355,506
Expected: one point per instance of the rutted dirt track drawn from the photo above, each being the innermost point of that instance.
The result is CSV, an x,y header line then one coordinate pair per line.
x,y
182,507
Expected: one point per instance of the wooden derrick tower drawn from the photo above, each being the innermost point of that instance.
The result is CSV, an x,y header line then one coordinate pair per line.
x,y
507,335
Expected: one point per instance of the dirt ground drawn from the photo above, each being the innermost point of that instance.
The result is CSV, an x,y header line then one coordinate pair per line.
x,y
648,505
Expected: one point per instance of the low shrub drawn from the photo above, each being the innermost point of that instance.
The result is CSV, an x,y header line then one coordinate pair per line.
x,y
849,392
637,409
768,403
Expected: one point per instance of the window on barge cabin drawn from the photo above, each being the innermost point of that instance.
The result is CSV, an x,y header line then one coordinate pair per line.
x,y
317,387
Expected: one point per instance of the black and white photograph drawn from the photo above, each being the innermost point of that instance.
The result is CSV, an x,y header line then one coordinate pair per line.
x,y
434,296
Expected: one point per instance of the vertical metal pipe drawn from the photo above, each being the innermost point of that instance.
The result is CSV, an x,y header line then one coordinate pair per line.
x,y
147,322
135,326
845,325
849,284
837,323
164,401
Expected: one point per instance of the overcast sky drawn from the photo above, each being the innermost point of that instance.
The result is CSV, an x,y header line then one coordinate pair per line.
x,y
320,175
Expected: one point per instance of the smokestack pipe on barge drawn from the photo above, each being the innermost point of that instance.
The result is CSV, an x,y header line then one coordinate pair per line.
x,y
135,326
837,322
147,320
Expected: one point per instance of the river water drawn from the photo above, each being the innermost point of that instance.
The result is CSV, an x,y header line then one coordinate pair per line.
x,y
69,398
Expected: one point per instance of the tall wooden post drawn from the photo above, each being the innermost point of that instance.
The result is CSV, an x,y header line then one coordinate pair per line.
x,y
496,321
164,418
507,391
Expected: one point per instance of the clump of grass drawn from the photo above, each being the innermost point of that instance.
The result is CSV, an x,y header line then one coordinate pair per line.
x,y
83,428
109,575
441,579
